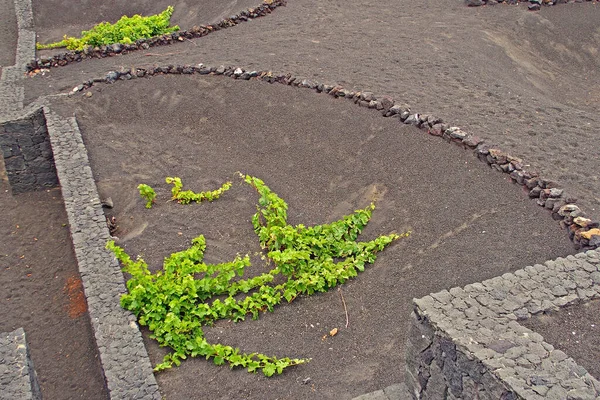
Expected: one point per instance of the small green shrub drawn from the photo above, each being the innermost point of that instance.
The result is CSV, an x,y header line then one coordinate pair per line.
x,y
147,194
187,196
175,302
126,30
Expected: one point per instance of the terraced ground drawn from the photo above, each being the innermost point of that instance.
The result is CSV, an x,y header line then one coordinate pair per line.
x,y
525,81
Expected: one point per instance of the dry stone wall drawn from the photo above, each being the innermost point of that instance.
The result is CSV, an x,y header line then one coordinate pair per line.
x,y
467,343
18,380
27,153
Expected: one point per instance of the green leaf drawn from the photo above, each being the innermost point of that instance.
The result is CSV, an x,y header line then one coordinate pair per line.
x,y
126,30
219,360
269,369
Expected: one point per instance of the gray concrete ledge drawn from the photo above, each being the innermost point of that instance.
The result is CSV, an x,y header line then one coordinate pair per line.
x,y
17,376
467,343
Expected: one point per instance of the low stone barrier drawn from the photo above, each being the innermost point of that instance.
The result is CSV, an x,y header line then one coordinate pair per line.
x,y
127,369
28,158
533,5
467,343
18,380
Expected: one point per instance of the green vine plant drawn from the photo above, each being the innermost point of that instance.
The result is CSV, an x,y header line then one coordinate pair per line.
x,y
126,30
188,196
177,301
147,193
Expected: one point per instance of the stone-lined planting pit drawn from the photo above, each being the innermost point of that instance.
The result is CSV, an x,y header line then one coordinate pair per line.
x,y
583,232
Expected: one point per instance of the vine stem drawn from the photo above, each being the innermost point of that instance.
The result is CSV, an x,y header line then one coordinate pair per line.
x,y
344,304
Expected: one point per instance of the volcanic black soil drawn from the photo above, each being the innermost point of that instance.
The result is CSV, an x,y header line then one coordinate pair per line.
x,y
326,158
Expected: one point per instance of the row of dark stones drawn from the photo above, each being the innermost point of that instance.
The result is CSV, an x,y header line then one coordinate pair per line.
x,y
65,58
583,231
534,5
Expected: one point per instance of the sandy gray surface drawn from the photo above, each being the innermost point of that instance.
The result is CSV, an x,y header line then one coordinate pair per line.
x,y
326,157
525,81
575,330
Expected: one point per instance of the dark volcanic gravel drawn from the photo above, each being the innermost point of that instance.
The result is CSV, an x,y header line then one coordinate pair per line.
x,y
326,157
575,330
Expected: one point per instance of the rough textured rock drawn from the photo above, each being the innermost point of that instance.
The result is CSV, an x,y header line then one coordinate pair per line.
x,y
27,153
17,375
483,352
126,366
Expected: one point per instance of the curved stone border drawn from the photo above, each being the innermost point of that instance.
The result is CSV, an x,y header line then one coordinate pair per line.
x,y
534,5
467,342
68,57
17,376
127,369
583,232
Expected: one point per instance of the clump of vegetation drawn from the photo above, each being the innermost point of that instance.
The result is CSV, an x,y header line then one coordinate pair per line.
x,y
175,302
188,196
126,30
147,194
